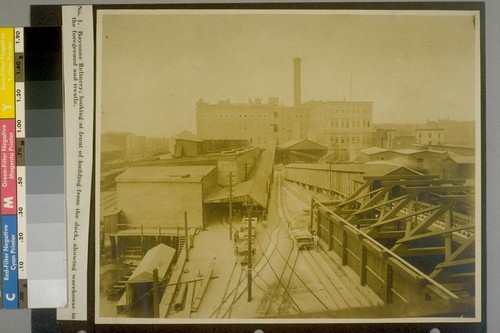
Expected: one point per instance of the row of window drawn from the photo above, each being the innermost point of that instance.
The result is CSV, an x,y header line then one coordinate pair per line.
x,y
349,112
429,135
345,139
347,123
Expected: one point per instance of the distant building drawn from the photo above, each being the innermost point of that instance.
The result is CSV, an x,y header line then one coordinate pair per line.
x,y
257,122
403,141
429,136
158,145
384,138
342,125
137,148
336,125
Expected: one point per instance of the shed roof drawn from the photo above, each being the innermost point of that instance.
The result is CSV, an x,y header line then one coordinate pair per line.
x,y
159,257
460,159
165,173
188,136
256,188
374,150
378,150
300,144
379,169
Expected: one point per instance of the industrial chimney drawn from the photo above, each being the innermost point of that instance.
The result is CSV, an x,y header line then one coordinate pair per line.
x,y
296,82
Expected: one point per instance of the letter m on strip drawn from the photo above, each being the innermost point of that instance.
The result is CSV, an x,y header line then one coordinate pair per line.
x,y
8,202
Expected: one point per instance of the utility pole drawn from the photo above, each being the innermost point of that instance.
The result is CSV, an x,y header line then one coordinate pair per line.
x,y
230,205
186,233
249,258
249,207
156,296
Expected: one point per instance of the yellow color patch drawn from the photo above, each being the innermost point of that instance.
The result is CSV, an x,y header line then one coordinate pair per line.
x,y
7,84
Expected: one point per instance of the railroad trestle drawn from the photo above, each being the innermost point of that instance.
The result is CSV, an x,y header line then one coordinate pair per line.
x,y
409,238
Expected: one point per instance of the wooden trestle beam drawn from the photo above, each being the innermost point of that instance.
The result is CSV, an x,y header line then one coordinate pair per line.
x,y
382,204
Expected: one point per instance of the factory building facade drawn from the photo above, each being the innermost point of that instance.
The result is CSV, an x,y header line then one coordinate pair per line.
x,y
339,125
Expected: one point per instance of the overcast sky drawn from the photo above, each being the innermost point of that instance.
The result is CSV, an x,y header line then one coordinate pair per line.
x,y
412,67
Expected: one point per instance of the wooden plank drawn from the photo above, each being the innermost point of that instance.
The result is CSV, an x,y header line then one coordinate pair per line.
x,y
401,217
200,291
186,312
438,189
425,182
382,204
455,263
396,177
336,300
435,233
423,251
388,234
168,295
347,276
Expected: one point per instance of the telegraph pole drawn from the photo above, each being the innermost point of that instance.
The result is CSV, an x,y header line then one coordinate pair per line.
x,y
230,205
186,233
249,257
156,296
249,207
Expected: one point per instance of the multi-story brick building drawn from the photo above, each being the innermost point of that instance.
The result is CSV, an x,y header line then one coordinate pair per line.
x,y
342,125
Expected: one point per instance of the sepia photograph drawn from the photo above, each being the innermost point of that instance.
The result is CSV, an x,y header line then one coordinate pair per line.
x,y
288,166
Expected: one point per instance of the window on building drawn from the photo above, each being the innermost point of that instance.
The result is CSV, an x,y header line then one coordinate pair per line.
x,y
275,128
275,114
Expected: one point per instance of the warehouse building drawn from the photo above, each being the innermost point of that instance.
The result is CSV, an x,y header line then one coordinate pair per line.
x,y
424,161
339,180
153,196
299,150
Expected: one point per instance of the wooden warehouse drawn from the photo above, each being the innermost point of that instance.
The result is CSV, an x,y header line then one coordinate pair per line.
x,y
299,150
339,180
153,196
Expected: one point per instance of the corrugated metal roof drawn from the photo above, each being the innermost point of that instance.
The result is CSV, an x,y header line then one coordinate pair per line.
x,y
262,181
373,150
416,151
379,169
460,159
257,188
300,144
165,173
159,257
222,193
378,150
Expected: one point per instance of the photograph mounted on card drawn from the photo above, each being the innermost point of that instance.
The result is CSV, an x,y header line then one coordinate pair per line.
x,y
288,166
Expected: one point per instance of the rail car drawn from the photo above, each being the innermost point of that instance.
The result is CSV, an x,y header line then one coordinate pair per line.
x,y
301,237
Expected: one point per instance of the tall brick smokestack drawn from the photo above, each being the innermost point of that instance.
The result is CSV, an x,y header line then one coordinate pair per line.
x,y
296,82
